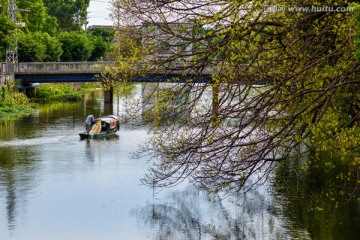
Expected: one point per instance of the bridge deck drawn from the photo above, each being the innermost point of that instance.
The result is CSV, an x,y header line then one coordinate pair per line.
x,y
39,72
61,67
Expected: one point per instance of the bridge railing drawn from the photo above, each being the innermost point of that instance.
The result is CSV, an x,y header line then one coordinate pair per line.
x,y
61,68
76,68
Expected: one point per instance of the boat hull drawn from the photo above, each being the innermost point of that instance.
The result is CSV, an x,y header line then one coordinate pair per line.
x,y
86,135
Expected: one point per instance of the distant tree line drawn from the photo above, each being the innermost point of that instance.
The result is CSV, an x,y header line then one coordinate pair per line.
x,y
53,32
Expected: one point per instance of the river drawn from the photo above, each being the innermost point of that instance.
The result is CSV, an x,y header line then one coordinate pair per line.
x,y
55,186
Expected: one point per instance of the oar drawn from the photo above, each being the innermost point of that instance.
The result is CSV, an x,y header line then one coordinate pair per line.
x,y
72,132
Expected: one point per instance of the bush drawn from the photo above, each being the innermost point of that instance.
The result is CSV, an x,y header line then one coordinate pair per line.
x,y
53,90
61,91
9,98
10,112
13,104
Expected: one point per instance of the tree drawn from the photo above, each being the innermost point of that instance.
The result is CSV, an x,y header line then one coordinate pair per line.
x,y
53,46
37,18
100,48
101,39
236,131
71,15
38,47
76,46
30,48
106,34
357,34
6,30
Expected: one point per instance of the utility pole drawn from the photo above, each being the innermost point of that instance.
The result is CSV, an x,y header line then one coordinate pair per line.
x,y
86,21
12,51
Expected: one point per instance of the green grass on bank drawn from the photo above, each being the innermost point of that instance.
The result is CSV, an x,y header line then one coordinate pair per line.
x,y
13,104
61,92
13,112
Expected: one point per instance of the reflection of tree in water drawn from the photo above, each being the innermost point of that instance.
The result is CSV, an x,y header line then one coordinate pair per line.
x,y
90,149
94,147
191,214
7,130
10,201
17,170
314,197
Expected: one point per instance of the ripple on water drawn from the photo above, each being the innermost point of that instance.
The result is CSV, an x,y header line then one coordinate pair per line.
x,y
30,141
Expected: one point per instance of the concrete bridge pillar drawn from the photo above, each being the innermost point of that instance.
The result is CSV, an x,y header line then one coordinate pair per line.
x,y
2,74
109,95
5,75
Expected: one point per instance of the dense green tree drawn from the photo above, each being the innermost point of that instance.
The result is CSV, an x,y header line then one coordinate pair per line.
x,y
6,31
30,48
106,34
76,46
38,47
102,40
71,15
53,46
37,18
231,131
100,48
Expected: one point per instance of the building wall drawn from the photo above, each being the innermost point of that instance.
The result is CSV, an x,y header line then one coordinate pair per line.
x,y
166,45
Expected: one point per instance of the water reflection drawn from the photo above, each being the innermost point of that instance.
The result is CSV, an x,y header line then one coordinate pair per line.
x,y
17,177
10,200
90,150
93,147
192,214
314,199
7,130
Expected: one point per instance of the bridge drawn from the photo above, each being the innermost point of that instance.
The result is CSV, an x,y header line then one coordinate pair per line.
x,y
52,72
29,73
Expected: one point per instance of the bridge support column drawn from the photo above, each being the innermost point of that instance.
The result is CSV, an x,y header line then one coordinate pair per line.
x,y
5,75
109,95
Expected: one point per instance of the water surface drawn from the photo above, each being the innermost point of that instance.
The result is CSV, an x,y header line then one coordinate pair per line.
x,y
55,186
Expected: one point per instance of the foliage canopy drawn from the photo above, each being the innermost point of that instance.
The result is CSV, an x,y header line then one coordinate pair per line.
x,y
231,130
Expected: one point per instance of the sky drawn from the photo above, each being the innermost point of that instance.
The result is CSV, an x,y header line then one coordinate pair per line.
x,y
98,12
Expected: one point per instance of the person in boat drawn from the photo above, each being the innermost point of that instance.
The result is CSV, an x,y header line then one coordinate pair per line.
x,y
90,121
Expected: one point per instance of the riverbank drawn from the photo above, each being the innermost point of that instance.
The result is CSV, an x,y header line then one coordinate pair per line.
x,y
13,112
13,104
16,105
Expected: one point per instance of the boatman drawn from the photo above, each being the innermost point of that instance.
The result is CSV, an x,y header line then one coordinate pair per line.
x,y
90,121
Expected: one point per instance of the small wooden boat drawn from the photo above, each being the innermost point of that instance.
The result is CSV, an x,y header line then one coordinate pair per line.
x,y
105,126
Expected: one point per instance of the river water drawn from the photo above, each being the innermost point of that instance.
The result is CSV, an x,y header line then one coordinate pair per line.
x,y
55,186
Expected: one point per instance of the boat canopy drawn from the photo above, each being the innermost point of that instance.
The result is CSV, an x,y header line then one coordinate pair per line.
x,y
109,119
